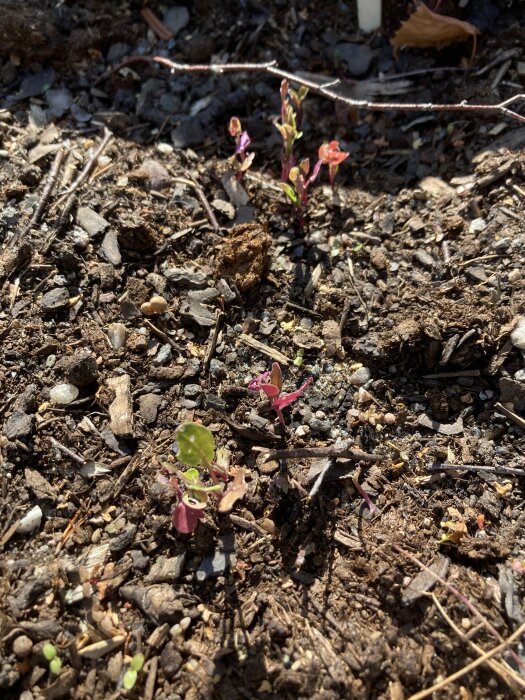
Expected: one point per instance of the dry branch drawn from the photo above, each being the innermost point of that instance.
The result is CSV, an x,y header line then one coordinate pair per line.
x,y
327,89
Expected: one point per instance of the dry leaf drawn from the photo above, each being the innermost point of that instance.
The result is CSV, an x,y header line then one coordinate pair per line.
x,y
236,490
426,29
457,530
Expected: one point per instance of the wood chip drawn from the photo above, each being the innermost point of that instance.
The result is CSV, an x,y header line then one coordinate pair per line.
x,y
121,409
424,581
265,349
99,649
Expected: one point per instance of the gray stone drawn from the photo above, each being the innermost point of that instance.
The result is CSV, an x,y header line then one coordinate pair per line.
x,y
36,84
215,564
189,133
176,18
55,300
517,336
196,312
18,425
224,290
186,277
90,221
148,407
192,390
139,560
170,661
123,539
110,248
424,259
59,101
26,402
360,376
166,569
357,57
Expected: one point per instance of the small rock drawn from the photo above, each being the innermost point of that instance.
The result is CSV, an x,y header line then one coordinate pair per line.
x,y
235,191
123,539
512,391
164,354
22,646
424,259
117,335
477,225
26,402
59,101
186,277
148,407
225,208
110,248
224,290
170,660
139,560
36,84
166,569
55,300
192,390
31,521
517,336
215,564
90,221
515,276
176,18
18,425
360,376
62,394
196,312
160,602
357,57
519,376
189,133
81,368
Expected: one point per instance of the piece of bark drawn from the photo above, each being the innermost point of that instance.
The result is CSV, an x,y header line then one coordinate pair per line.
x,y
121,409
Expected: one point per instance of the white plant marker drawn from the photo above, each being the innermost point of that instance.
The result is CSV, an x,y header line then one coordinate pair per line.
x,y
369,15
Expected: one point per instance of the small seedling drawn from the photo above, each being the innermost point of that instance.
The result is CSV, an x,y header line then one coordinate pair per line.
x,y
196,449
330,154
270,385
290,125
130,676
297,191
241,160
49,653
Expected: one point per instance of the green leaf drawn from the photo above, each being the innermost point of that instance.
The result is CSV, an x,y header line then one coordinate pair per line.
x,y
129,679
289,192
49,651
196,445
137,662
191,474
55,665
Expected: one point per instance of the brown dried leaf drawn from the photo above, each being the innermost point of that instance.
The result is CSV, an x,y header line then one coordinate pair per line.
x,y
235,492
426,29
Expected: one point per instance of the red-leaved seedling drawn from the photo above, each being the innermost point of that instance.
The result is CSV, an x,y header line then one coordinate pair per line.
x,y
270,384
290,125
241,159
330,154
297,192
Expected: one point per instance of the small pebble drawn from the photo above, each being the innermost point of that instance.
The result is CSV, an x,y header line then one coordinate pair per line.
x,y
389,419
360,376
302,430
520,375
477,225
63,394
117,335
517,336
165,148
31,521
514,276
22,646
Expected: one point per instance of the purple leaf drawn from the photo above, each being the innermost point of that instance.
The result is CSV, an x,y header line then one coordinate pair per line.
x,y
185,519
287,399
243,143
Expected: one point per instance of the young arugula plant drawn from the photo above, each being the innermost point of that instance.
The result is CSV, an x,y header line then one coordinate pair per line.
x,y
196,450
290,125
270,384
130,675
50,655
241,160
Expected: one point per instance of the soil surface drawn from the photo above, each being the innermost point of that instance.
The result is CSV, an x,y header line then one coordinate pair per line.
x,y
402,297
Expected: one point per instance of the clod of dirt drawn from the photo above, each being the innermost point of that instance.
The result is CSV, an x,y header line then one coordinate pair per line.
x,y
81,368
55,300
244,256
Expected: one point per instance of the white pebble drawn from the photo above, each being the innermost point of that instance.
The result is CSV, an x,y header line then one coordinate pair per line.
x,y
302,430
360,376
63,394
514,276
117,335
517,336
165,148
31,521
477,225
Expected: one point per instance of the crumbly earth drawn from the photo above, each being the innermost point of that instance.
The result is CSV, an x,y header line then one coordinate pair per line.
x,y
398,297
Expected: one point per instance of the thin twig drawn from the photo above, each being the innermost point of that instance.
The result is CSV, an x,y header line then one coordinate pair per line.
x,y
466,601
163,336
50,182
509,471
65,450
342,449
210,351
87,168
470,667
510,414
508,675
190,182
327,89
